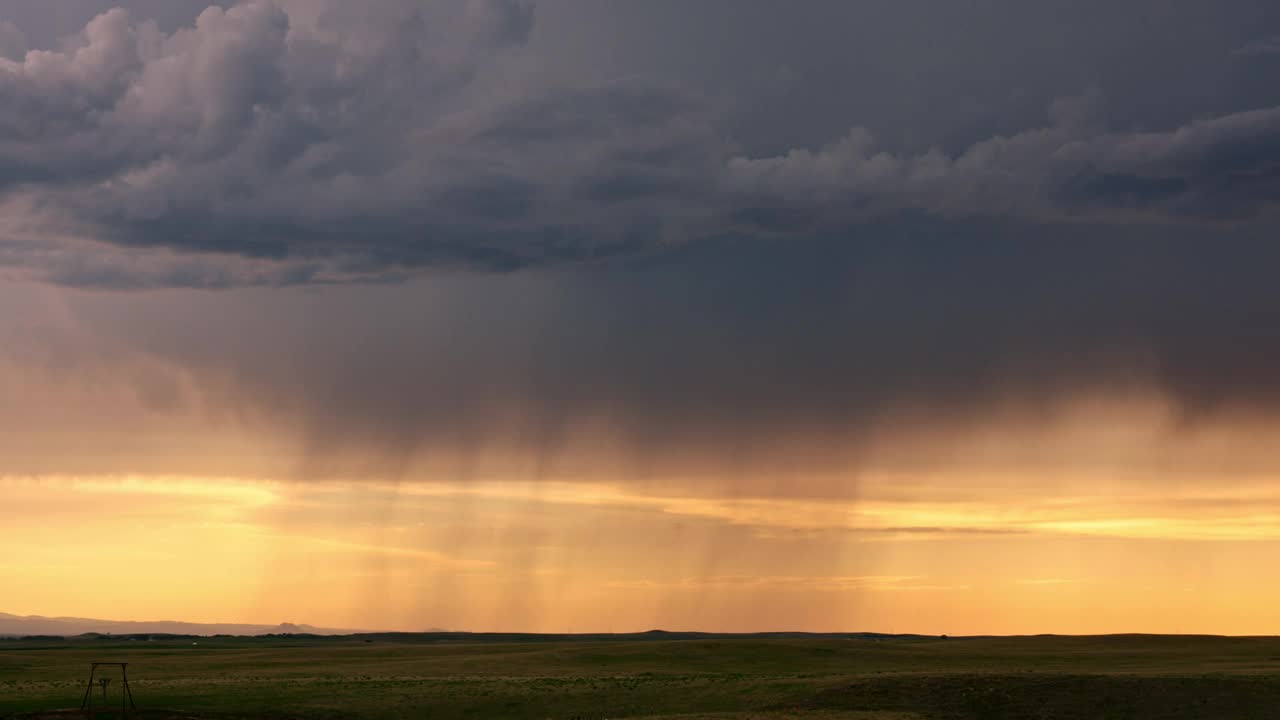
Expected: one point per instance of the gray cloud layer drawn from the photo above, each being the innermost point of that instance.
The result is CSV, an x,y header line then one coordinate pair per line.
x,y
728,352
320,141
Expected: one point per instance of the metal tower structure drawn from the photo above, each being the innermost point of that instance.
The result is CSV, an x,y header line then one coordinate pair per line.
x,y
126,696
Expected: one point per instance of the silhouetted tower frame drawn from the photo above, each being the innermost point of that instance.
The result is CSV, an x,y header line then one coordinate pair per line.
x,y
126,696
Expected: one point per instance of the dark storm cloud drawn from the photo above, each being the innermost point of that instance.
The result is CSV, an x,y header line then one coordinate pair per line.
x,y
408,134
733,351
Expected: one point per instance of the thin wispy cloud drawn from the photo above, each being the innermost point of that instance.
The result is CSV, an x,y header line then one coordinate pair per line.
x,y
1265,47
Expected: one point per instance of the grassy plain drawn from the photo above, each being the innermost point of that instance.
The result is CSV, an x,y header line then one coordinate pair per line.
x,y
707,678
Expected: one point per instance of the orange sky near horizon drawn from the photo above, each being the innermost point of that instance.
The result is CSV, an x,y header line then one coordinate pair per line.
x,y
988,555
135,489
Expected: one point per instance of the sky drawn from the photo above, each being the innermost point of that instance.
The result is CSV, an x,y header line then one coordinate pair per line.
x,y
601,315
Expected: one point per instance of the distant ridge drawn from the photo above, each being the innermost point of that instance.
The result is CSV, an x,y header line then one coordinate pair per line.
x,y
21,626
649,635
36,626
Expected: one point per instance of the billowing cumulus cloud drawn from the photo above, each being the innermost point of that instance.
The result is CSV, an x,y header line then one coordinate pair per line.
x,y
1217,169
320,142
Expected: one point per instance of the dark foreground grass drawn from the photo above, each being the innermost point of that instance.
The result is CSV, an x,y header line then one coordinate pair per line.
x,y
1099,678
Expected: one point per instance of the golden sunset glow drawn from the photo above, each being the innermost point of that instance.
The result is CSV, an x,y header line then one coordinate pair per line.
x,y
938,550
138,489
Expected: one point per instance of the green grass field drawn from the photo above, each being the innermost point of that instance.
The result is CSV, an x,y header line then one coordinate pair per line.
x,y
824,678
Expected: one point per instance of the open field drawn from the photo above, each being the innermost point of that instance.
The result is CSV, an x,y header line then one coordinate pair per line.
x,y
710,678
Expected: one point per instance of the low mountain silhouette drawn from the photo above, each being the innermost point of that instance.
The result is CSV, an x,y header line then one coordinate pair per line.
x,y
21,626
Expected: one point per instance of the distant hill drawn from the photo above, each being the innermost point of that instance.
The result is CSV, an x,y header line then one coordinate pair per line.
x,y
648,636
33,626
20,626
